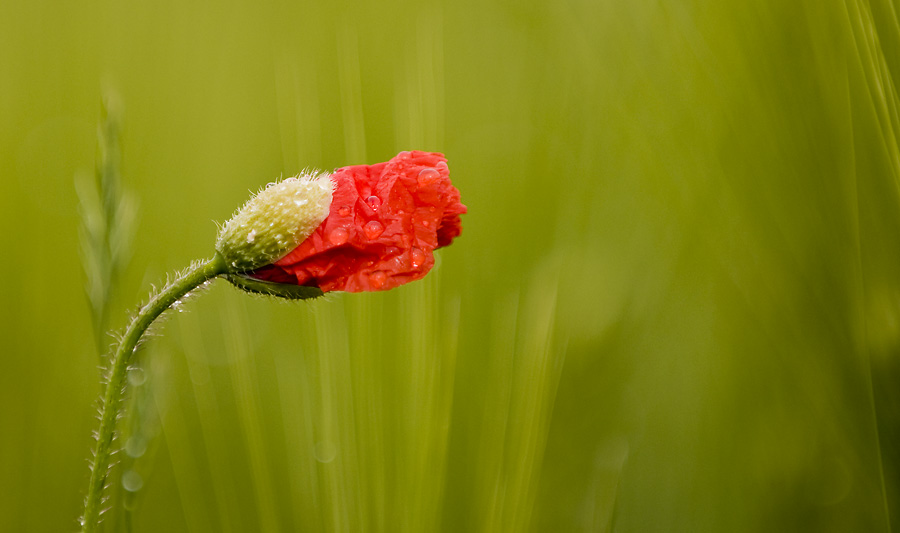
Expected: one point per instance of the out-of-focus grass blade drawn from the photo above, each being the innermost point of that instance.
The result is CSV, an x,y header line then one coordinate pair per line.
x,y
210,415
242,368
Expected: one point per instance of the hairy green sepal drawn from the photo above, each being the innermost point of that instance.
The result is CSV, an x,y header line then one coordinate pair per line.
x,y
281,290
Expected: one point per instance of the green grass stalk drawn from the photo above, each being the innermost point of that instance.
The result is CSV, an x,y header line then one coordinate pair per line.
x,y
108,212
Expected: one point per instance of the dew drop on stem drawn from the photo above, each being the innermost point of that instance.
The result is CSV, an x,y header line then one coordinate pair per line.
x,y
325,451
135,446
132,481
136,376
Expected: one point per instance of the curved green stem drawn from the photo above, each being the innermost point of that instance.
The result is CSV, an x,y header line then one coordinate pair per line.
x,y
112,398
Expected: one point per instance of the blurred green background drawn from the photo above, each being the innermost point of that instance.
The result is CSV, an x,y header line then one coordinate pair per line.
x,y
675,305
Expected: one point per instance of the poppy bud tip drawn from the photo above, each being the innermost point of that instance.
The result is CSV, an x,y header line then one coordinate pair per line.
x,y
274,221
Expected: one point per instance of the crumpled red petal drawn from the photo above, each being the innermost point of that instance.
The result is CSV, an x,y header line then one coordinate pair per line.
x,y
383,226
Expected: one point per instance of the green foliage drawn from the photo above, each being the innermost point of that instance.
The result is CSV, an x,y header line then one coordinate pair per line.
x,y
108,214
675,305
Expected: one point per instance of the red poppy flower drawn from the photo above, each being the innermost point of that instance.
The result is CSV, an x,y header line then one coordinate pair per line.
x,y
383,225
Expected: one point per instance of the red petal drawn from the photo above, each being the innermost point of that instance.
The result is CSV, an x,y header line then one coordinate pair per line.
x,y
384,223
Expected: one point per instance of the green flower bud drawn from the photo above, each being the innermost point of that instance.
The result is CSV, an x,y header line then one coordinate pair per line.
x,y
274,221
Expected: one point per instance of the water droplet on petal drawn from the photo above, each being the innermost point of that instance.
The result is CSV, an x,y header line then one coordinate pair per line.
x,y
404,155
373,229
343,210
427,176
377,278
374,202
251,236
441,165
338,236
416,257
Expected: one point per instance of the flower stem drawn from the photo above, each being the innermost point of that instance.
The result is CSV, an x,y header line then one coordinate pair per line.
x,y
115,387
